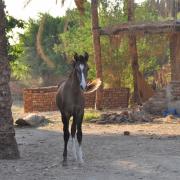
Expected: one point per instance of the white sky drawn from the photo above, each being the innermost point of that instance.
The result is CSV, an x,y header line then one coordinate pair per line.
x,y
16,8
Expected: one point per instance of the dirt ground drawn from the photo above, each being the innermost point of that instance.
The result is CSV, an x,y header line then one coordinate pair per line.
x,y
151,152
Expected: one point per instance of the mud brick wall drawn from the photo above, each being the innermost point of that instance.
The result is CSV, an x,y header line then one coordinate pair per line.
x,y
114,98
175,90
173,96
43,99
90,100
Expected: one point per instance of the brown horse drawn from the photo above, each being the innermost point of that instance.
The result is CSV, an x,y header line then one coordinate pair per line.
x,y
70,101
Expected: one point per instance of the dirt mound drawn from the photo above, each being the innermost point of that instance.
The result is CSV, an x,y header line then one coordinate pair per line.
x,y
124,117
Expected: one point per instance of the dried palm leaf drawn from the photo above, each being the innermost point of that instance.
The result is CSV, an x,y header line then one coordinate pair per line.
x,y
39,47
93,86
80,5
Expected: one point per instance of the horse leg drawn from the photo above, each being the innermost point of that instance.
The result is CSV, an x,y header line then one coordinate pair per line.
x,y
65,121
73,132
79,138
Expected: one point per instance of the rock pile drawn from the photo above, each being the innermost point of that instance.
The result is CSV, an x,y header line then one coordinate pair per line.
x,y
156,104
32,120
167,98
123,117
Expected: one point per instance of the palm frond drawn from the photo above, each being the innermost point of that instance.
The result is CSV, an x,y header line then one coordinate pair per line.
x,y
26,3
80,5
39,46
62,2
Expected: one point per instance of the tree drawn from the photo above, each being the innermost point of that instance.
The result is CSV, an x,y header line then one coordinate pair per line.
x,y
8,145
40,50
133,52
115,55
19,69
97,52
38,68
165,8
80,7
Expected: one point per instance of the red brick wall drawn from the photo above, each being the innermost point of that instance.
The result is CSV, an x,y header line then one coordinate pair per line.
x,y
114,98
43,99
175,89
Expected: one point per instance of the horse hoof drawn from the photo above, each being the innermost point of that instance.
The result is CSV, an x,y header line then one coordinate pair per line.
x,y
81,161
64,163
74,159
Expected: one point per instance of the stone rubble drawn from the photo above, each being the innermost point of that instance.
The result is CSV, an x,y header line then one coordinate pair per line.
x,y
165,99
32,120
126,116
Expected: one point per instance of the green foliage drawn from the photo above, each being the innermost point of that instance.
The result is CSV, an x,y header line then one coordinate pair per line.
x,y
63,36
112,12
152,50
91,114
116,60
37,67
78,37
13,23
144,13
19,69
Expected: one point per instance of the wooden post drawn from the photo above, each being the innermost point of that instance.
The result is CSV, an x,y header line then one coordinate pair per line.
x,y
174,9
133,53
175,56
97,51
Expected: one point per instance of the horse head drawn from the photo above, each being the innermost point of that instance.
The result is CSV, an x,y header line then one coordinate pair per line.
x,y
81,68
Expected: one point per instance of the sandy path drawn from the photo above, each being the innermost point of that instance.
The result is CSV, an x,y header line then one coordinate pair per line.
x,y
152,151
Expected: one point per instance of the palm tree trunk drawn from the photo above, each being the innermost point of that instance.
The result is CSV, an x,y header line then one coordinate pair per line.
x,y
97,52
133,53
8,145
173,9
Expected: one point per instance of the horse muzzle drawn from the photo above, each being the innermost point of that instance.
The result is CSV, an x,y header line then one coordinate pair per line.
x,y
83,87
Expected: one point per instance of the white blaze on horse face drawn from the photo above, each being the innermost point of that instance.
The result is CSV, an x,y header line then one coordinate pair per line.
x,y
83,81
74,149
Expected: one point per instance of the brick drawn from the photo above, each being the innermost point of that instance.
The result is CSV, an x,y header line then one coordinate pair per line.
x,y
43,99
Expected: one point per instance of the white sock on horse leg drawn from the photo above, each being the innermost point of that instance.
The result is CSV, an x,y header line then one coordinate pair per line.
x,y
74,149
80,154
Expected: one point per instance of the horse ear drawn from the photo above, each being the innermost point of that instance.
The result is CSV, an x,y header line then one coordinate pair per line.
x,y
76,56
86,56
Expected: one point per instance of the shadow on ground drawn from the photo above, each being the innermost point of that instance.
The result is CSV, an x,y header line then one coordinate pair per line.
x,y
107,157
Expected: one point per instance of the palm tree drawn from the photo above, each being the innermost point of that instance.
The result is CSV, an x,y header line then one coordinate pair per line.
x,y
8,145
96,41
133,52
39,47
